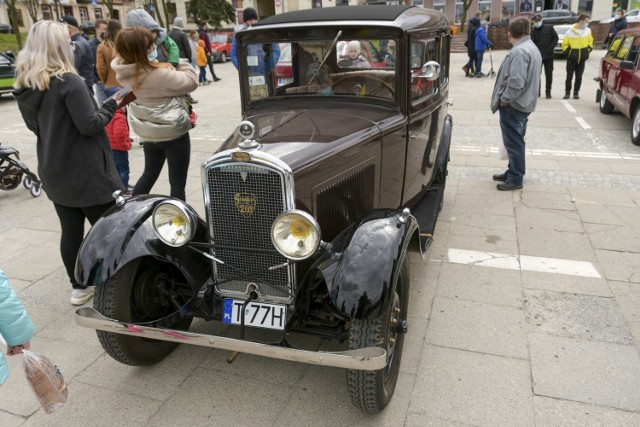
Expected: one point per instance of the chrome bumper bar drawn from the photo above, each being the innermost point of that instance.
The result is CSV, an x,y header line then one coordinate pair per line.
x,y
364,359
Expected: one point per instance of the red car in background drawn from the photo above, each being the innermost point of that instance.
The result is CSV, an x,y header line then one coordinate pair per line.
x,y
221,46
619,79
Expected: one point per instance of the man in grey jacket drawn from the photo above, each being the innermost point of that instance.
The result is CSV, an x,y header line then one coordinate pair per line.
x,y
515,95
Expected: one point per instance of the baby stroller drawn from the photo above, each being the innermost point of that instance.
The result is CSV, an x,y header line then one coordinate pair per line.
x,y
12,171
491,73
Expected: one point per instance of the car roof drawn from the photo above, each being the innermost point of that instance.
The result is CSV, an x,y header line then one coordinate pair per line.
x,y
402,16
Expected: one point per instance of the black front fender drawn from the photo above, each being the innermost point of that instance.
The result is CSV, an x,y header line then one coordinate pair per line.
x,y
125,233
362,263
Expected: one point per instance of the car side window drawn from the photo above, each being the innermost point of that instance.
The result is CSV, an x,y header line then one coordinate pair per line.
x,y
613,47
625,48
422,51
634,51
4,61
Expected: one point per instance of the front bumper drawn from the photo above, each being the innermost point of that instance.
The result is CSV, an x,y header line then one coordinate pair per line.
x,y
364,359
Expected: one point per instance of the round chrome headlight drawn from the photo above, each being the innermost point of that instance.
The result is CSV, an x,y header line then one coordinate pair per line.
x,y
174,223
295,234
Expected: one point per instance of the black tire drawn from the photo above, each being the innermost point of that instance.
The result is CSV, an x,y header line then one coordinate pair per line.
x,y
140,292
223,57
635,127
11,177
35,190
606,107
371,391
27,182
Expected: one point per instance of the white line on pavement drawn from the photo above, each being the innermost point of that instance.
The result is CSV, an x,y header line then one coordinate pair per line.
x,y
523,262
573,111
540,152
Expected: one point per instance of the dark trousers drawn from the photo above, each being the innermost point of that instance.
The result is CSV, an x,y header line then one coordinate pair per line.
x,y
472,61
177,153
203,74
72,226
479,58
210,61
121,159
513,124
578,69
548,75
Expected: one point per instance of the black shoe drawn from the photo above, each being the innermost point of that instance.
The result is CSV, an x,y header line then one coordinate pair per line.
x,y
548,96
575,95
215,79
508,186
566,95
194,101
500,177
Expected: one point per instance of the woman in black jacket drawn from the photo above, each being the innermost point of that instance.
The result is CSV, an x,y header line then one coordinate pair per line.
x,y
469,68
74,154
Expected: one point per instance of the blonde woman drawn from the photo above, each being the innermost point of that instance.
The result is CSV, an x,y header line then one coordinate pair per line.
x,y
155,84
74,154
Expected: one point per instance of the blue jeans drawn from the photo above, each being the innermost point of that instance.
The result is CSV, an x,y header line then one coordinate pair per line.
x,y
176,152
479,58
100,95
513,124
121,159
203,74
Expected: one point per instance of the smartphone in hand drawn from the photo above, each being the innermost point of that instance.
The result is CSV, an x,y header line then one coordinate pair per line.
x,y
124,96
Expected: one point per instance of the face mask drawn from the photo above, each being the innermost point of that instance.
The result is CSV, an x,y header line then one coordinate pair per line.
x,y
586,25
153,55
618,16
538,24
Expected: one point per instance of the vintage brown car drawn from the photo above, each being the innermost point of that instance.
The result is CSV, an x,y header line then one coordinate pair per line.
x,y
335,174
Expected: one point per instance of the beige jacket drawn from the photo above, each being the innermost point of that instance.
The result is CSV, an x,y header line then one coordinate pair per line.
x,y
104,56
156,84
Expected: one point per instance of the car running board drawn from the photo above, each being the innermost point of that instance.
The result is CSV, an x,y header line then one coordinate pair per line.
x,y
426,213
363,359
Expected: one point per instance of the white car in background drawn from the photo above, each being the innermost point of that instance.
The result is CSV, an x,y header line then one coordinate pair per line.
x,y
561,30
632,16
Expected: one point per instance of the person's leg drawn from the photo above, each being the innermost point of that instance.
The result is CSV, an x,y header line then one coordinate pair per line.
x,y
72,233
548,78
479,58
571,66
578,84
513,124
121,159
154,156
93,213
213,73
101,96
178,154
203,74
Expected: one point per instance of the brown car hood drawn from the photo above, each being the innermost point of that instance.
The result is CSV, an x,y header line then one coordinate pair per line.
x,y
299,137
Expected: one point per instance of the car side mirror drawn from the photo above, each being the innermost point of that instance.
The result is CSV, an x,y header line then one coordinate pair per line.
x,y
627,65
430,71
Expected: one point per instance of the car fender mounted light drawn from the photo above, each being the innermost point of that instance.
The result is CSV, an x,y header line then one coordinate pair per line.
x,y
295,234
174,222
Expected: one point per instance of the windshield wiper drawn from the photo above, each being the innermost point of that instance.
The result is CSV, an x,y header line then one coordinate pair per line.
x,y
335,40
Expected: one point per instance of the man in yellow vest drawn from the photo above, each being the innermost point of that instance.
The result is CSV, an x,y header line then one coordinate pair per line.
x,y
576,45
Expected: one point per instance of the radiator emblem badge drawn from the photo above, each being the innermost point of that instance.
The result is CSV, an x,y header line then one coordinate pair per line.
x,y
245,203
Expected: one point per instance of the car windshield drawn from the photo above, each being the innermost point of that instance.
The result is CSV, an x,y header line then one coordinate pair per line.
x,y
354,67
218,38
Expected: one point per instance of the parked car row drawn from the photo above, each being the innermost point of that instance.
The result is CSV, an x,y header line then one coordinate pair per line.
x,y
221,46
7,73
633,16
619,79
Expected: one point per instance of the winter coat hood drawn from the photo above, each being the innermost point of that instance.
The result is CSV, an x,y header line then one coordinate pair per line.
x,y
29,101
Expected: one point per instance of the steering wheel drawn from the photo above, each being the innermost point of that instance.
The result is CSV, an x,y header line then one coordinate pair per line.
x,y
361,79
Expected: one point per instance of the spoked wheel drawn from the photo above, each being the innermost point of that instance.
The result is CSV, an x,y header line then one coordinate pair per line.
x,y
142,291
371,391
635,127
606,107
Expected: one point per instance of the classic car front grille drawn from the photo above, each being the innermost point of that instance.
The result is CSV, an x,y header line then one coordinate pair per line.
x,y
244,200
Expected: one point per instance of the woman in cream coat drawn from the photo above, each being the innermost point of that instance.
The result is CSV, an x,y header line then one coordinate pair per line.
x,y
154,83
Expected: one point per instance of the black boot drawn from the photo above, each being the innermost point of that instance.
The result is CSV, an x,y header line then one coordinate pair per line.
x,y
575,95
548,94
566,95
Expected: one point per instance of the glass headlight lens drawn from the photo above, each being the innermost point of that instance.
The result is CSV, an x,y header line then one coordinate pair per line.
x,y
174,223
295,234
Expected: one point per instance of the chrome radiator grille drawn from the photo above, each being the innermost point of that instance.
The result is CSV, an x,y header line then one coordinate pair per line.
x,y
244,200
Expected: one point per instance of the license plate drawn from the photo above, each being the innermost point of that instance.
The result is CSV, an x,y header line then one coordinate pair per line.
x,y
257,314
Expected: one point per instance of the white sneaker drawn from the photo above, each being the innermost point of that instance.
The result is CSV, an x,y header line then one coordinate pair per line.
x,y
80,296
